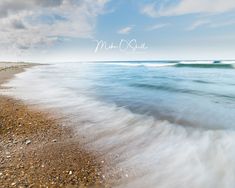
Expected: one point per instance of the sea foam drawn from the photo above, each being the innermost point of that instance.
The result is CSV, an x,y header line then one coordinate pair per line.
x,y
154,153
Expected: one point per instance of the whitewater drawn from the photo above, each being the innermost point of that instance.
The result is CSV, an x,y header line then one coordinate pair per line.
x,y
168,124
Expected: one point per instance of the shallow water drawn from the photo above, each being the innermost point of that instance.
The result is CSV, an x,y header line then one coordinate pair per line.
x,y
170,123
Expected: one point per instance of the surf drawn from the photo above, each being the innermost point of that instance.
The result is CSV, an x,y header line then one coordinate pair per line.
x,y
113,109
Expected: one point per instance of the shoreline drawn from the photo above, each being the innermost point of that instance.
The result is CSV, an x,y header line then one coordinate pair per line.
x,y
36,150
8,71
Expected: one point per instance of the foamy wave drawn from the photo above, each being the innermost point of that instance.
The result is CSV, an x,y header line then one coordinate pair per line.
x,y
145,64
159,64
155,153
196,62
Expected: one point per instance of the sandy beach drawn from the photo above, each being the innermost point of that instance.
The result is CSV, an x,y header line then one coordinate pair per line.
x,y
37,151
9,69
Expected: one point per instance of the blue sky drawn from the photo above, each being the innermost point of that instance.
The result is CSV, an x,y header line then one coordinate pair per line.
x,y
69,30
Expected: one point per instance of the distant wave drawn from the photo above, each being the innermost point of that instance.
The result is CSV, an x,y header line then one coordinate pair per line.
x,y
165,88
179,64
144,64
182,90
215,64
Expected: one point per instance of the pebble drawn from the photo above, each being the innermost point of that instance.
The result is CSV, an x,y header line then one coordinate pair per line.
x,y
27,142
19,170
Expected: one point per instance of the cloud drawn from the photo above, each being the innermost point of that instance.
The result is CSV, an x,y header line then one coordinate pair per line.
x,y
48,3
157,26
210,24
26,24
125,30
18,24
188,7
149,10
8,7
198,23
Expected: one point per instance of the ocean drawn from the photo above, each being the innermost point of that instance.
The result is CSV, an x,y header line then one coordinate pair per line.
x,y
168,124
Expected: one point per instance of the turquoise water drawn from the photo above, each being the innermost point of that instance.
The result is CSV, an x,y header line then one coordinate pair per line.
x,y
166,124
188,94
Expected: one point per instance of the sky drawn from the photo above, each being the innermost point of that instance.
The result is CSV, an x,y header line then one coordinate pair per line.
x,y
89,30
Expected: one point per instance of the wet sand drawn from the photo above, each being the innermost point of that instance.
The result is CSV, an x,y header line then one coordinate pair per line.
x,y
36,150
7,70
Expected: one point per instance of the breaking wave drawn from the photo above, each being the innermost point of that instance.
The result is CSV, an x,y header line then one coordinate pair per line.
x,y
153,152
190,64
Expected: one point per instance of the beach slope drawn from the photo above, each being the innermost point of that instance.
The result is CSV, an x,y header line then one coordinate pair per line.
x,y
37,151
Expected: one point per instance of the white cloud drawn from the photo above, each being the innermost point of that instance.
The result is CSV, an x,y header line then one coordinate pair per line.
x,y
188,7
198,24
125,30
210,24
9,7
30,23
149,10
157,26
